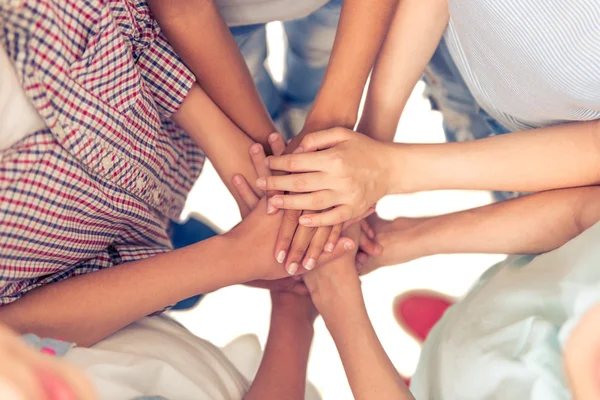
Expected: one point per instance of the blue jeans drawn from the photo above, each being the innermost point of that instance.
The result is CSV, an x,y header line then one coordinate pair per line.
x,y
310,40
463,118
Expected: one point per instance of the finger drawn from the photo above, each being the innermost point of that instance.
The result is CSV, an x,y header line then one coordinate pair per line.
x,y
369,246
316,247
343,245
334,235
285,235
245,191
366,228
293,183
361,259
324,139
300,289
300,243
321,200
338,215
277,144
304,162
257,155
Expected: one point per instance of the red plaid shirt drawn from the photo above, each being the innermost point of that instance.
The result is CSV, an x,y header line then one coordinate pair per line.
x,y
98,186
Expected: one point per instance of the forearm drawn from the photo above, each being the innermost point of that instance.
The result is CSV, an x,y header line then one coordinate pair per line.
x,y
222,141
282,372
361,31
556,157
213,57
414,35
370,372
532,224
87,308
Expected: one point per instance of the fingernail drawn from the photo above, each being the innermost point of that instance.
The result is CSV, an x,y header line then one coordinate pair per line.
x,y
371,234
348,245
292,268
281,257
270,208
273,137
329,247
277,201
255,148
310,264
298,150
261,183
237,180
305,221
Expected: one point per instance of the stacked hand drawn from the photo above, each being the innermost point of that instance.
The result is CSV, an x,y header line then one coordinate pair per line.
x,y
326,179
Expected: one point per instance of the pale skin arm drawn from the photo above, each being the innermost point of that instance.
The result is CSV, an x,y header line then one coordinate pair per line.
x,y
225,145
214,56
335,290
532,224
414,34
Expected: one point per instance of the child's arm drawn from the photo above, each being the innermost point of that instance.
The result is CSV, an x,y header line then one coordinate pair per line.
x,y
415,32
199,35
335,290
282,372
533,224
87,308
361,31
225,145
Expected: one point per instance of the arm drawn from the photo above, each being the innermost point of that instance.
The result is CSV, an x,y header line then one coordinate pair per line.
x,y
335,290
225,145
282,372
548,158
533,224
360,34
415,32
215,56
87,308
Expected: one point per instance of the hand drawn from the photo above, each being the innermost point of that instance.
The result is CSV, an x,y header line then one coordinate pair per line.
x,y
257,155
27,374
297,244
350,175
336,281
261,226
399,242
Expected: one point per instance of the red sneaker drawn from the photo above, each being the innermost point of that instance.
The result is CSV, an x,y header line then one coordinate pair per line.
x,y
417,311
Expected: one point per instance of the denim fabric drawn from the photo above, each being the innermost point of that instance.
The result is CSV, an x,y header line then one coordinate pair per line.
x,y
309,43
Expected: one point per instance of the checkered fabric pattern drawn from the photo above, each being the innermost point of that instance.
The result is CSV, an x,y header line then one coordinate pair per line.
x,y
98,186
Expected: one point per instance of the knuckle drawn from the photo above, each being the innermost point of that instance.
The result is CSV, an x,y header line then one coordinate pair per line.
x,y
290,163
299,183
291,216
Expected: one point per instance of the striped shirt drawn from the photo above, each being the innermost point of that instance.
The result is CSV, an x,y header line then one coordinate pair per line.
x,y
529,63
97,186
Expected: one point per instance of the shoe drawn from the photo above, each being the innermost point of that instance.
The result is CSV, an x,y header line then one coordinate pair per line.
x,y
418,311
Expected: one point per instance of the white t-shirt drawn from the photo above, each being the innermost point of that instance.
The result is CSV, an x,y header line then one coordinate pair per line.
x,y
249,12
18,117
529,63
156,356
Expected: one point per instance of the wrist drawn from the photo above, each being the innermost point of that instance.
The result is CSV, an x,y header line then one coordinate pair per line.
x,y
244,261
322,117
292,319
404,169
